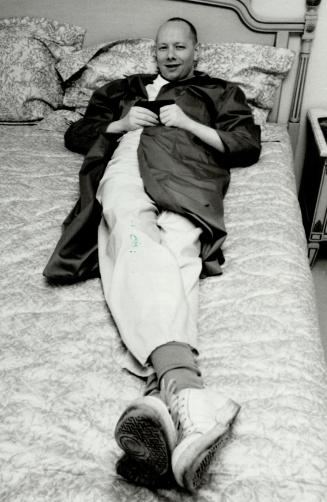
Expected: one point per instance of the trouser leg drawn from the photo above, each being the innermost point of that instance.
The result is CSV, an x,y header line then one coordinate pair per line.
x,y
177,361
182,238
142,278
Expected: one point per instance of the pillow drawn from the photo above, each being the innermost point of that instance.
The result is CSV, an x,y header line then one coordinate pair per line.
x,y
258,69
90,68
29,49
260,115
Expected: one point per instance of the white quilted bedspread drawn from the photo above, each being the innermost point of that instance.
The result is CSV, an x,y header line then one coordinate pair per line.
x,y
61,384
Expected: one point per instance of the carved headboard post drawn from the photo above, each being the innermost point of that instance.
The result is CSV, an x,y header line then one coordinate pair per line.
x,y
311,18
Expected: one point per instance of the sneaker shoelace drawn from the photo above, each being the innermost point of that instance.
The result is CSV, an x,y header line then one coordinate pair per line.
x,y
177,407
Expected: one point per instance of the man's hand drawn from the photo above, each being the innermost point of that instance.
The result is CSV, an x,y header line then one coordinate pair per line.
x,y
139,117
136,118
173,116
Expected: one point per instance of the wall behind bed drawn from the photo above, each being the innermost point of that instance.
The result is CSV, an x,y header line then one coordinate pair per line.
x,y
94,16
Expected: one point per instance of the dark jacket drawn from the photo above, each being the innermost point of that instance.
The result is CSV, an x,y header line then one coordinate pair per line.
x,y
180,172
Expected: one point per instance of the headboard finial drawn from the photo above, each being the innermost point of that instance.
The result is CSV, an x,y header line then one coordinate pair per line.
x,y
313,3
311,19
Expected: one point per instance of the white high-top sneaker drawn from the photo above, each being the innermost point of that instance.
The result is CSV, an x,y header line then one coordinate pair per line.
x,y
203,419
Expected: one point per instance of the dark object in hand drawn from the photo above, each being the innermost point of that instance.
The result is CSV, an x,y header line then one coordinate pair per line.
x,y
155,106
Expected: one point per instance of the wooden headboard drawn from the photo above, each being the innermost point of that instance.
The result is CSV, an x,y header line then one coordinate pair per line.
x,y
215,20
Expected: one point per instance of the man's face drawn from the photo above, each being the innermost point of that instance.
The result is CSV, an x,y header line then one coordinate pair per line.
x,y
175,51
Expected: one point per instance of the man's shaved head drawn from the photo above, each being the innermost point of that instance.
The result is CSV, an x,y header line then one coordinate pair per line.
x,y
193,31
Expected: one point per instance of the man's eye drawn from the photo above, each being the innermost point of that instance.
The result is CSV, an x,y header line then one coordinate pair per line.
x,y
180,47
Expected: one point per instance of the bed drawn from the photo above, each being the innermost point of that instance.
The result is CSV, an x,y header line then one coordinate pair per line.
x,y
62,383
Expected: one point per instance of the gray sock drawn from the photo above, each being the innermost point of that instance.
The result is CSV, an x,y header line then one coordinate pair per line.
x,y
177,361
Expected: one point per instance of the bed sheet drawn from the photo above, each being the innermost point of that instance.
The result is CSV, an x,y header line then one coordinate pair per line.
x,y
62,386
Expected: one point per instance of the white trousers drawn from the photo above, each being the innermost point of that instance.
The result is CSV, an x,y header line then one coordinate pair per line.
x,y
149,261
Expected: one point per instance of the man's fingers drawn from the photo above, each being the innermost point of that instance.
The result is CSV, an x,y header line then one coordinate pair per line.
x,y
165,115
167,107
144,117
146,122
144,112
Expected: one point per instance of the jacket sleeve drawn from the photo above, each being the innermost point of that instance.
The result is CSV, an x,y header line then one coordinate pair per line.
x,y
236,128
103,109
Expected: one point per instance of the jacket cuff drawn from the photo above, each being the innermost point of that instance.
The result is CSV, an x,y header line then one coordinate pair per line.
x,y
229,141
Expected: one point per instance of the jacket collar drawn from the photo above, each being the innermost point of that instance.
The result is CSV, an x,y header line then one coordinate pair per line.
x,y
138,82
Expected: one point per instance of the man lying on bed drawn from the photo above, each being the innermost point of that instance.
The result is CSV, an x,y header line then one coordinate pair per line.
x,y
162,227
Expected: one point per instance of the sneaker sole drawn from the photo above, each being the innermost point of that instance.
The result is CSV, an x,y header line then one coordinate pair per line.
x,y
146,435
191,473
195,476
142,437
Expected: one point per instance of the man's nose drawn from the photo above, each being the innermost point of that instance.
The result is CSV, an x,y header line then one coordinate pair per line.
x,y
171,53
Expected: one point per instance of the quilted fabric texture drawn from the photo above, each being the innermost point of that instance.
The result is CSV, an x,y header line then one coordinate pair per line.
x,y
29,48
58,120
102,64
260,115
258,69
62,386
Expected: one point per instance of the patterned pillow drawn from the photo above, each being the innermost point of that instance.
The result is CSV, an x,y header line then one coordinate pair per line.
x,y
260,115
258,69
102,64
29,49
